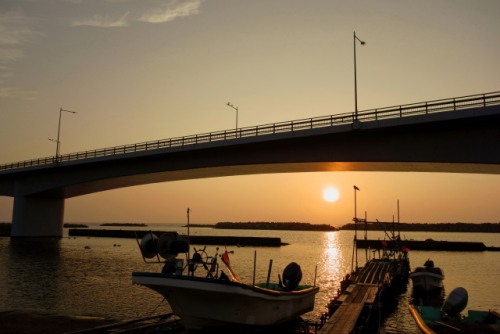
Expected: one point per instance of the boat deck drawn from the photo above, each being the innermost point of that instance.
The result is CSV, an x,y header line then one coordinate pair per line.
x,y
363,291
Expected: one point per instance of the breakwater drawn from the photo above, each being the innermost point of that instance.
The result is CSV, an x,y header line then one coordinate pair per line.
x,y
195,240
418,227
428,245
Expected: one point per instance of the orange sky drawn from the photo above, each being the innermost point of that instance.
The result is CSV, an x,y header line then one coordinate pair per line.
x,y
138,71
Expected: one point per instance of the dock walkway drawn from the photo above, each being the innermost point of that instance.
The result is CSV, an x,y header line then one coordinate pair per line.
x,y
363,291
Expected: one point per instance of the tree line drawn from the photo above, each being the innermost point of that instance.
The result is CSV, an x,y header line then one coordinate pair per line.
x,y
293,226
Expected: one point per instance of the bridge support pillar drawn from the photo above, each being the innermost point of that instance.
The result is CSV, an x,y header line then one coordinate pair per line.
x,y
37,217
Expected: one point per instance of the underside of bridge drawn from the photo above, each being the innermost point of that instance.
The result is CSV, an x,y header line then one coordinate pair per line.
x,y
449,145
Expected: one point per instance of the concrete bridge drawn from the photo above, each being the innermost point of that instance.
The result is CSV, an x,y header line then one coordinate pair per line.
x,y
459,135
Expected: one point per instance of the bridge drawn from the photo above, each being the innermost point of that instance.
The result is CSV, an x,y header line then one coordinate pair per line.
x,y
457,135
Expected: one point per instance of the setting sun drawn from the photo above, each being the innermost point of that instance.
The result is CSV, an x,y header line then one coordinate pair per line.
x,y
331,195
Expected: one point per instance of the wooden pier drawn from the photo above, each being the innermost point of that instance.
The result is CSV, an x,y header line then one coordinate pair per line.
x,y
362,289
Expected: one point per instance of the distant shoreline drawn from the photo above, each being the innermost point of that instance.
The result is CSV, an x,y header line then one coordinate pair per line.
x,y
70,225
200,225
287,226
124,224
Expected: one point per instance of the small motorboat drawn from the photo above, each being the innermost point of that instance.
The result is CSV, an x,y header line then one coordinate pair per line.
x,y
435,320
212,299
428,277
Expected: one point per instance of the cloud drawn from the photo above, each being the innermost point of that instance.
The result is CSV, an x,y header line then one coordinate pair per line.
x,y
10,55
108,1
102,22
15,31
172,11
14,93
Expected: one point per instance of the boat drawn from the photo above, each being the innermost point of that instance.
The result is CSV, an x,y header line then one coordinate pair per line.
x,y
213,299
428,277
435,320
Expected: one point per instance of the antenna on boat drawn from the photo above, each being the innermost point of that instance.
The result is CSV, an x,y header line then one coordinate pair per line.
x,y
269,273
366,237
315,274
399,226
254,267
189,244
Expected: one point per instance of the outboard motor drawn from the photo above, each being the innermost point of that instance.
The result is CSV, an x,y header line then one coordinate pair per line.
x,y
456,302
291,277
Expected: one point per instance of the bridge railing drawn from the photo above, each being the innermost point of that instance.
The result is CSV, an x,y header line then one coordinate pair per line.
x,y
481,100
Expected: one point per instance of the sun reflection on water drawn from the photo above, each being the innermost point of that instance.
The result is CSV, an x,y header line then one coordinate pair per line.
x,y
333,265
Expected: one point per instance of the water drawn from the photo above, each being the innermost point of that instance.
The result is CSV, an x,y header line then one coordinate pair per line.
x,y
62,276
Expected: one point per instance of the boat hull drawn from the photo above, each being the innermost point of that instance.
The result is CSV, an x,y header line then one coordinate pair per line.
x,y
429,320
426,281
207,303
420,322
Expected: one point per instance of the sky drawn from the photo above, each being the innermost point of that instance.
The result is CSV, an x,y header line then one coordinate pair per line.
x,y
141,70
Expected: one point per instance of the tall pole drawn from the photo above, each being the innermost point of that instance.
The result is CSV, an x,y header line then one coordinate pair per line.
x,y
235,108
58,134
399,226
189,245
355,82
58,142
355,209
355,77
354,247
366,236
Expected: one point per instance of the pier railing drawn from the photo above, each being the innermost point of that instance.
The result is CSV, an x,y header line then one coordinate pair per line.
x,y
464,102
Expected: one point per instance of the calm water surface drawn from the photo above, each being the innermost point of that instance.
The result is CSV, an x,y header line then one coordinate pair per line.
x,y
61,276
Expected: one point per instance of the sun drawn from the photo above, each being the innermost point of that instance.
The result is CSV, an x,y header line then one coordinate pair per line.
x,y
331,195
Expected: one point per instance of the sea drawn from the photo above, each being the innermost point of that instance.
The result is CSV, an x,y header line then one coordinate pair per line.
x,y
82,276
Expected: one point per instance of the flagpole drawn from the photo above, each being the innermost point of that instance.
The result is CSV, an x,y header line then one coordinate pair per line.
x,y
399,226
366,233
355,228
189,245
355,249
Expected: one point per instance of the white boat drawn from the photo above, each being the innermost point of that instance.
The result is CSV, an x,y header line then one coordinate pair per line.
x,y
428,277
206,303
215,301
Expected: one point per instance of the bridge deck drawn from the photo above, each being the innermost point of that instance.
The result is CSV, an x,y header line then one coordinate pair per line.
x,y
356,296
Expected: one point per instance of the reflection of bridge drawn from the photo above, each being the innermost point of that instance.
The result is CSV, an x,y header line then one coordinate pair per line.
x,y
459,135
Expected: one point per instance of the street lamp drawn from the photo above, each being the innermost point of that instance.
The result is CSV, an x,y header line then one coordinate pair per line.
x,y
235,108
59,132
355,79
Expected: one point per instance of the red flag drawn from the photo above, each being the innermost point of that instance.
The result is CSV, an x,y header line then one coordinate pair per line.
x,y
384,243
225,259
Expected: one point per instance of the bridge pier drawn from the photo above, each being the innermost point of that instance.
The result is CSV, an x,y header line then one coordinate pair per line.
x,y
37,217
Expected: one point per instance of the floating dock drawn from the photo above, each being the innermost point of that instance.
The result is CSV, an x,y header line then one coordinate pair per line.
x,y
194,240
